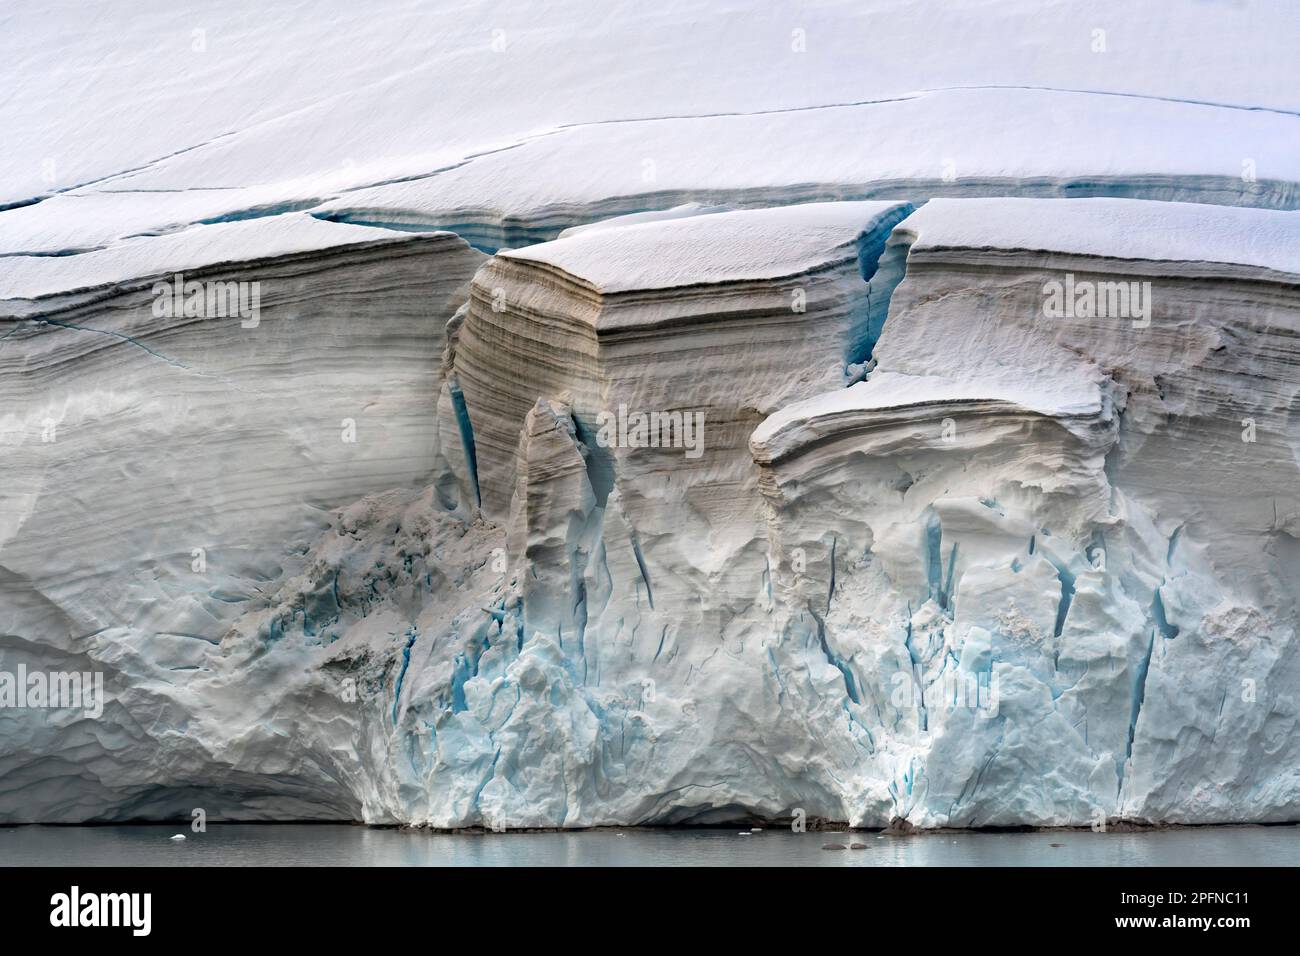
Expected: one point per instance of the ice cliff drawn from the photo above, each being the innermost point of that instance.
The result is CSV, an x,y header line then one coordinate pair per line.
x,y
581,441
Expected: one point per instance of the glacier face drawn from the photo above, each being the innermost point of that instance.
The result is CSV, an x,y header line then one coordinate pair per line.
x,y
760,478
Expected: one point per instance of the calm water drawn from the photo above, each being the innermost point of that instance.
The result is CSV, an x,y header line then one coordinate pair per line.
x,y
331,845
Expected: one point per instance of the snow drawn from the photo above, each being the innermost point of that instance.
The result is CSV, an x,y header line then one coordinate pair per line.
x,y
202,246
892,391
956,142
723,247
1115,229
424,113
276,96
684,211
941,556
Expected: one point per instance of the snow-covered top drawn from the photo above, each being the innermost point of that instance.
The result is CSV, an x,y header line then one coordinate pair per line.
x,y
723,247
1113,229
801,422
29,277
229,92
85,219
506,106
964,142
684,211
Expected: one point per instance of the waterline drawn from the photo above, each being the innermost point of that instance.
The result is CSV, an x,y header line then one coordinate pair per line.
x,y
344,845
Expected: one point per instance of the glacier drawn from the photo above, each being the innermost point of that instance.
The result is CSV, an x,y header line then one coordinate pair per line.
x,y
654,417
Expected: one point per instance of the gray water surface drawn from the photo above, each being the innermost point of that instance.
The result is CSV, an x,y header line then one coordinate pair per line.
x,y
342,845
